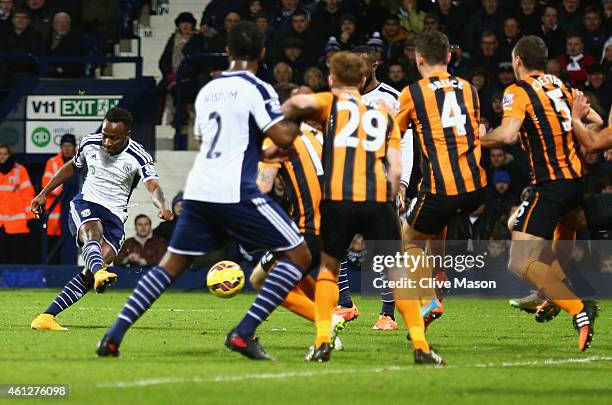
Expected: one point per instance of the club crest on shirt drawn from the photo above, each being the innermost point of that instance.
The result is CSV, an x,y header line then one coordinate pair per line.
x,y
85,213
127,168
508,99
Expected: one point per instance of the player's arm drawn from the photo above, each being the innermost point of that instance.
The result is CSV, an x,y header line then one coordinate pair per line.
x,y
591,140
265,178
300,106
505,134
394,169
63,174
158,198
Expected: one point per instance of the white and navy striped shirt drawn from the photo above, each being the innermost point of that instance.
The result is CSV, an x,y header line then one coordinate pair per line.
x,y
232,114
386,94
111,178
383,93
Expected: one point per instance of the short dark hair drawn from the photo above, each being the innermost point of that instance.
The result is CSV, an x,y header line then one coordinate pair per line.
x,y
117,114
393,17
284,91
22,10
301,12
433,47
533,52
365,50
245,41
142,216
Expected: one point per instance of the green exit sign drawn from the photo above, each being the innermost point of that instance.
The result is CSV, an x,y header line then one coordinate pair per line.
x,y
87,107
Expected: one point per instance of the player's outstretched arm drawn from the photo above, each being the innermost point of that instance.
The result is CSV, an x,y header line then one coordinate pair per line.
x,y
64,173
300,106
591,140
505,134
159,200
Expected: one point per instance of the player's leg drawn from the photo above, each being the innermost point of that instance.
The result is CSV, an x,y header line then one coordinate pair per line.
x,y
193,236
261,222
338,228
346,308
535,223
297,301
89,235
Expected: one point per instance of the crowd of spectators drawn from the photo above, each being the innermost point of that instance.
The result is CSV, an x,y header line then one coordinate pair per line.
x,y
302,35
60,28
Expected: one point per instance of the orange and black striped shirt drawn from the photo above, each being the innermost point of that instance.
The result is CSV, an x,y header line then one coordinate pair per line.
x,y
301,175
543,103
444,113
356,137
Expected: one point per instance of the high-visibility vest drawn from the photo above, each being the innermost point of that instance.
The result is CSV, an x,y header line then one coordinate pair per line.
x,y
16,194
54,224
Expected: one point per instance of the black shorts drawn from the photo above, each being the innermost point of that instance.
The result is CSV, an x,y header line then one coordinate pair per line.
x,y
539,213
598,211
430,213
341,220
269,259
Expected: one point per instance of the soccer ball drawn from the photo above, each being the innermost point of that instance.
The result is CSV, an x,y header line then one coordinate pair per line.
x,y
225,279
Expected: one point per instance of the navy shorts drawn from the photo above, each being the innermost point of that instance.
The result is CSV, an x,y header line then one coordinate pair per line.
x,y
82,211
257,223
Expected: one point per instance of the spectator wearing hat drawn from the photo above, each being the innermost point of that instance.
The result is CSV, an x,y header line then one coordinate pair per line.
x,y
255,8
505,75
599,86
54,223
575,62
393,37
499,199
349,37
499,160
293,55
301,29
510,36
183,42
550,31
166,228
331,47
281,23
593,34
411,18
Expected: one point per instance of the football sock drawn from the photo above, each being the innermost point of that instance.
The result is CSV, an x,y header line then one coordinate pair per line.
x,y
388,304
326,297
308,285
281,279
545,280
72,292
148,289
421,271
298,303
411,312
92,254
343,286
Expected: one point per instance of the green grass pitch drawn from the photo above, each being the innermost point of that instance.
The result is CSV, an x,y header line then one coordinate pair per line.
x,y
175,353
